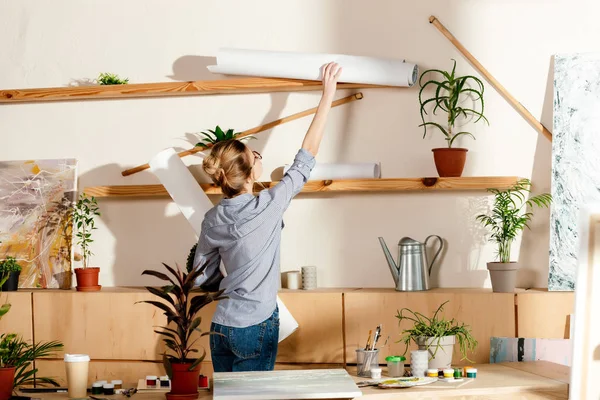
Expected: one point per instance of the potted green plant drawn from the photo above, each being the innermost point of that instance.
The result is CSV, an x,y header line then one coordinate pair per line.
x,y
509,217
450,94
84,214
9,274
435,333
214,136
106,78
181,302
16,363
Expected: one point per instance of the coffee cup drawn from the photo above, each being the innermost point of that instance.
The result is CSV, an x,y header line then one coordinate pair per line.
x,y
77,374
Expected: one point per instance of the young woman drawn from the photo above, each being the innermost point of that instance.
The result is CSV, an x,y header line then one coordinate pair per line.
x,y
244,231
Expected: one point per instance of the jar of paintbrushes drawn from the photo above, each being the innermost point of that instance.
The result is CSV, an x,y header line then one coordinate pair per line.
x,y
367,358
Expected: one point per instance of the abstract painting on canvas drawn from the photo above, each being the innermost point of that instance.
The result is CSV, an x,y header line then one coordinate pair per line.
x,y
36,203
575,159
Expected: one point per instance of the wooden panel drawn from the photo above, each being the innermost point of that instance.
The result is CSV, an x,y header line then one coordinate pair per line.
x,y
319,337
164,89
543,314
345,185
105,324
488,314
18,320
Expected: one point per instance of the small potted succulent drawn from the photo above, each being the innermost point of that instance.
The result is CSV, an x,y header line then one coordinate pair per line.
x,y
106,78
450,96
507,219
9,274
436,335
181,302
85,211
16,363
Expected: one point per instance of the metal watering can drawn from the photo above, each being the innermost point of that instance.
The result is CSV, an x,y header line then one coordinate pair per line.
x,y
412,271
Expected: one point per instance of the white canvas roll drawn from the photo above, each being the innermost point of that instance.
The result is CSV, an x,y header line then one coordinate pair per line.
x,y
295,65
323,171
194,204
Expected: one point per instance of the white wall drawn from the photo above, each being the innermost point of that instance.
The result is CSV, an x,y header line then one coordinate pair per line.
x,y
56,43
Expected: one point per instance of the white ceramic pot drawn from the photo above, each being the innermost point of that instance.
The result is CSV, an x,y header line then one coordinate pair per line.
x,y
439,356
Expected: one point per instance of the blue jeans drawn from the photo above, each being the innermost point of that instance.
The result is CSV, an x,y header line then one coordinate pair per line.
x,y
245,349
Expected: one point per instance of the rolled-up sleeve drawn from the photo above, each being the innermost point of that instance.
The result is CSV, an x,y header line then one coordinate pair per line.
x,y
294,179
206,254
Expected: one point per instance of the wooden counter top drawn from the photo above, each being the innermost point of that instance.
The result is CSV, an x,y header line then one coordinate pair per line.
x,y
526,380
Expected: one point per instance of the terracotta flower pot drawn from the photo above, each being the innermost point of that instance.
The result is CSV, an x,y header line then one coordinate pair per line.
x,y
450,162
7,377
87,279
504,276
184,382
12,284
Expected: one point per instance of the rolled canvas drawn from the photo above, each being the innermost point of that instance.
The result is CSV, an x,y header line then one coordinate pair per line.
x,y
343,171
297,65
193,203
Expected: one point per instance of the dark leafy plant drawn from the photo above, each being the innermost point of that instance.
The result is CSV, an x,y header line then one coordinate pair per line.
x,y
450,91
508,216
189,265
217,135
106,78
9,264
181,302
86,209
434,327
15,352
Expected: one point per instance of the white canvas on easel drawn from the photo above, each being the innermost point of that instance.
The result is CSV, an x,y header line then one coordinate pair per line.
x,y
584,384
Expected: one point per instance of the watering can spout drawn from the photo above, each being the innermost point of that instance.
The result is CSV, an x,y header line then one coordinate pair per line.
x,y
390,260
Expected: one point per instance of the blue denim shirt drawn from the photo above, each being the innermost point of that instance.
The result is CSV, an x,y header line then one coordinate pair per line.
x,y
245,233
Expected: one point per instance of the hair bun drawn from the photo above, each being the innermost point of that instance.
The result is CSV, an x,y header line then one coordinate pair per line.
x,y
220,177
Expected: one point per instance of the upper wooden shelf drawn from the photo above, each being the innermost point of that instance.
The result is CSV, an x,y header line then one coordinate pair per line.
x,y
164,89
347,185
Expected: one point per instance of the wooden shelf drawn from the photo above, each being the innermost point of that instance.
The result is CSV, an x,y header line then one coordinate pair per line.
x,y
164,89
348,185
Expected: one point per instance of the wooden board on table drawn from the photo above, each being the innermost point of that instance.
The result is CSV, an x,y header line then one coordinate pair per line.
x,y
544,314
488,314
319,337
19,319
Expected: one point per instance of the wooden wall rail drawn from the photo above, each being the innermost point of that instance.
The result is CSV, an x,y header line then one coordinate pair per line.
x,y
165,89
344,185
118,334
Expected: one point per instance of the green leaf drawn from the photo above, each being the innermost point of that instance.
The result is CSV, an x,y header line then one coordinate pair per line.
x,y
460,134
5,308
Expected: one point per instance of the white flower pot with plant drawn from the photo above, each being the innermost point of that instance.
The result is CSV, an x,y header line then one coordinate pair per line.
x,y
451,96
86,209
507,219
437,335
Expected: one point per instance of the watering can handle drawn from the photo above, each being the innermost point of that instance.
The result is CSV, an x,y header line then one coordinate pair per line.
x,y
437,253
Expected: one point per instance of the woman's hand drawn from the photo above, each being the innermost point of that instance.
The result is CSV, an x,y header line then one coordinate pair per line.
x,y
331,74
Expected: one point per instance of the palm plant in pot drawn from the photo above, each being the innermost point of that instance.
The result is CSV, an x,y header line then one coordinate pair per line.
x,y
181,302
84,214
9,274
16,362
437,335
509,217
451,93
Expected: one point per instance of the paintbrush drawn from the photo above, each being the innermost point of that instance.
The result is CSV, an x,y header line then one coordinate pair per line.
x,y
369,340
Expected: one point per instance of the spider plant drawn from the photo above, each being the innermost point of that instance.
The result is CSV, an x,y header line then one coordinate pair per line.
x,y
450,93
434,327
217,135
106,78
15,352
181,302
508,217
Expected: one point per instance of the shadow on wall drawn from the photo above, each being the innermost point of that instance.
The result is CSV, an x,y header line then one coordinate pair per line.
x,y
535,242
